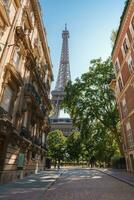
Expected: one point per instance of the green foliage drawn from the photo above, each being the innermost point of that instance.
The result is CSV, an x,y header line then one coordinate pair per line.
x,y
57,143
74,146
92,106
113,37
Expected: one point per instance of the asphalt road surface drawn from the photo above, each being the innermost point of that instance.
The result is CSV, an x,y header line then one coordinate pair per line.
x,y
73,184
85,184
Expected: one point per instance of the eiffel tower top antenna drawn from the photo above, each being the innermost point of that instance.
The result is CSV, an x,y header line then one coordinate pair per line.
x,y
64,68
65,26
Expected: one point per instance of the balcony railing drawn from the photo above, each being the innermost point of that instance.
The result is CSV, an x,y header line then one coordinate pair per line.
x,y
37,141
32,63
4,114
44,146
29,88
43,109
25,133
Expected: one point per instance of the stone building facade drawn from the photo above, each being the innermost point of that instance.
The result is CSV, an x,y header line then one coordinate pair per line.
x,y
123,60
25,80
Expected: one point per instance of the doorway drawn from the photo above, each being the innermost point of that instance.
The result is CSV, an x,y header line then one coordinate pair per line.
x,y
132,161
2,145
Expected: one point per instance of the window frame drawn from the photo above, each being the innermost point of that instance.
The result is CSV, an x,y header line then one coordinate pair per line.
x,y
125,47
130,64
117,66
5,96
129,134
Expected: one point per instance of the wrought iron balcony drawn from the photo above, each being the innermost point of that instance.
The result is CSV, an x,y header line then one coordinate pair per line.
x,y
4,114
30,89
43,109
37,141
5,122
44,146
25,133
32,63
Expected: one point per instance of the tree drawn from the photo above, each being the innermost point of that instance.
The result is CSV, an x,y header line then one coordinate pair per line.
x,y
92,106
57,144
113,36
74,146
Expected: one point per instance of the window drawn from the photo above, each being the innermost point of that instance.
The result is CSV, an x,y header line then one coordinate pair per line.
x,y
129,132
117,65
16,59
32,17
1,33
120,84
124,106
6,3
12,11
33,156
25,119
125,45
46,75
132,23
43,138
130,64
6,99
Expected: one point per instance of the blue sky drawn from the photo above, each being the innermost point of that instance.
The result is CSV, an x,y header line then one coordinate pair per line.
x,y
89,22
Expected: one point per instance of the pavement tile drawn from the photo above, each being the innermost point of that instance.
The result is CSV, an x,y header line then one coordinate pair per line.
x,y
31,187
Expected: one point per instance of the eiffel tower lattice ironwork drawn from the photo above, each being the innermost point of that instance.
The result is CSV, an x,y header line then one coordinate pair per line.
x,y
63,75
56,121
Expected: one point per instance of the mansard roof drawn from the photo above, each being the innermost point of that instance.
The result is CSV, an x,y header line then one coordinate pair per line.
x,y
127,2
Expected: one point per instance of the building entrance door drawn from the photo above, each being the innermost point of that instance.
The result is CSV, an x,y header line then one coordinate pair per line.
x,y
2,144
132,161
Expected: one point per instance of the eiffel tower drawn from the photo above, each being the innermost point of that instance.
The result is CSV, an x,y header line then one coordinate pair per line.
x,y
63,124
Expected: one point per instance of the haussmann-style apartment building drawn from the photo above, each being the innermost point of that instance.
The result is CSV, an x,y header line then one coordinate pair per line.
x,y
25,80
123,60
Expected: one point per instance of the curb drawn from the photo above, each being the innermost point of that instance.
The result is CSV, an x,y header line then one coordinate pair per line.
x,y
116,177
52,183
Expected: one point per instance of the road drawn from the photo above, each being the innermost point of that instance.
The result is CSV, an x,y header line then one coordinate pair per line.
x,y
74,184
85,184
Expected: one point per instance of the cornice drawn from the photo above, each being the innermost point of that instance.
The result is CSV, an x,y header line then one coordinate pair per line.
x,y
124,23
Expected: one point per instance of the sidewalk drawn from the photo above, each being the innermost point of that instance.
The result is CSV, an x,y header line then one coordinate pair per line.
x,y
31,187
121,175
